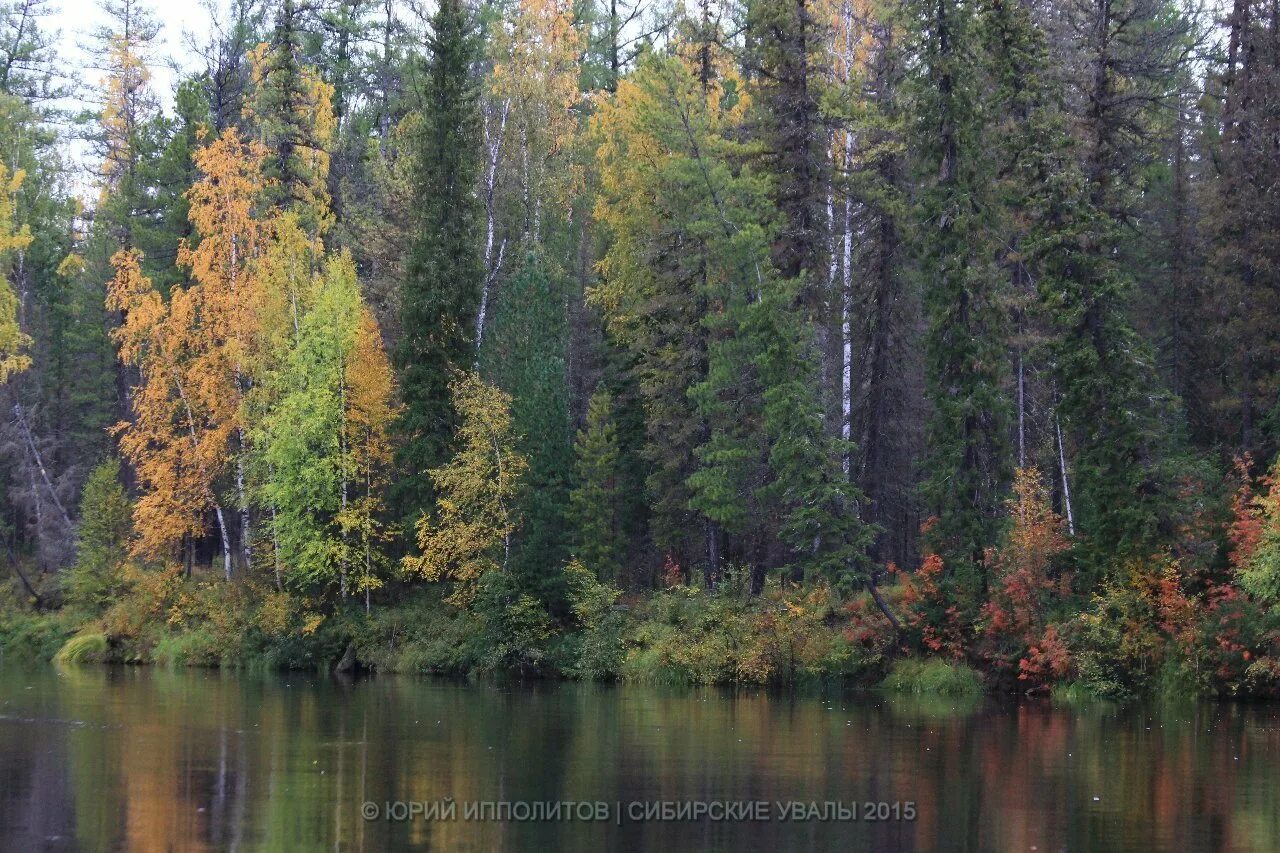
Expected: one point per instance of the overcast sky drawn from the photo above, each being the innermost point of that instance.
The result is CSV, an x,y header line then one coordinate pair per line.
x,y
76,19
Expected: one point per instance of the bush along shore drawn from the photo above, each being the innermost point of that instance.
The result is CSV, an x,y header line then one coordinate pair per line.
x,y
1154,626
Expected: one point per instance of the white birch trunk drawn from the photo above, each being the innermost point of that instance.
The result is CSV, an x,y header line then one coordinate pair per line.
x,y
246,531
1066,484
491,265
226,541
846,318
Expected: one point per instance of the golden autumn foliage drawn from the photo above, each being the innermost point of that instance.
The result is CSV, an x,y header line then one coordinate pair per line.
x,y
470,532
535,80
194,354
174,452
13,341
322,445
125,88
370,411
1021,569
285,274
1025,584
654,137
223,212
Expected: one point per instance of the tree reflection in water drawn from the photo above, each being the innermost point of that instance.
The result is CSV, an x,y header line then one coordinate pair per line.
x,y
147,759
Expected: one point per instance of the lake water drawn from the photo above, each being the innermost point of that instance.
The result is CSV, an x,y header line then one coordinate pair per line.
x,y
96,758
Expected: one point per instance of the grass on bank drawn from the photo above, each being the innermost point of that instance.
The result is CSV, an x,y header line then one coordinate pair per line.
x,y
932,675
86,647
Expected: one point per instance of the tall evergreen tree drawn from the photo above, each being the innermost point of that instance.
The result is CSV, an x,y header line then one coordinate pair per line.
x,y
440,292
595,502
524,354
786,39
1127,55
1243,222
969,465
291,108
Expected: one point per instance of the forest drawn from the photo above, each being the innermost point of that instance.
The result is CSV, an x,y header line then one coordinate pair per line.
x,y
926,342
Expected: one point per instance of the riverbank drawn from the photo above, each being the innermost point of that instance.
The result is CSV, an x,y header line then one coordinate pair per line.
x,y
789,636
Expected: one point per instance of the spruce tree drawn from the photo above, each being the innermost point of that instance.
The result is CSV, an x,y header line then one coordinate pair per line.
x,y
786,38
103,539
524,353
1109,395
290,107
968,466
594,503
441,286
1243,221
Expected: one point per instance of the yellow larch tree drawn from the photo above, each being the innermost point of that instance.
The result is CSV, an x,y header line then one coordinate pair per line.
x,y
368,414
13,341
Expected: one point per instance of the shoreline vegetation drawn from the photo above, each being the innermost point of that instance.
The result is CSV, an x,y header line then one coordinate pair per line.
x,y
929,344
1144,637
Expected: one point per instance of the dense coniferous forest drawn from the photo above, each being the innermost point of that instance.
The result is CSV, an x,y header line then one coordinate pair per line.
x,y
750,341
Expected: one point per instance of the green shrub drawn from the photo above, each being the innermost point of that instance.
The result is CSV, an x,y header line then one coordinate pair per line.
x,y
95,579
27,635
594,651
932,675
515,629
195,647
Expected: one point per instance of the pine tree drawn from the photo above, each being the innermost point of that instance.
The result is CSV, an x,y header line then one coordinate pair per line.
x,y
167,175
29,53
52,325
881,401
440,291
732,406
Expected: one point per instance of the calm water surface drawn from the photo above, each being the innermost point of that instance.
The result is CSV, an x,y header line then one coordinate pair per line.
x,y
146,759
